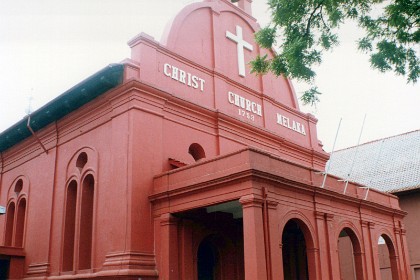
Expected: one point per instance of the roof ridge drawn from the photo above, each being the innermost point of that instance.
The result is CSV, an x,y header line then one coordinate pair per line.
x,y
378,140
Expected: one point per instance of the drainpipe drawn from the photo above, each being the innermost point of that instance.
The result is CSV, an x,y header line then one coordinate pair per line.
x,y
28,125
2,208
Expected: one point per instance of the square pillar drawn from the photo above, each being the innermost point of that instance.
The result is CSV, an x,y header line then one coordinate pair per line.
x,y
400,261
367,241
276,256
324,264
169,266
332,247
374,251
254,247
405,254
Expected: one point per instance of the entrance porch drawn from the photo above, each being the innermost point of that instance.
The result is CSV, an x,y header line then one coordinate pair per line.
x,y
250,215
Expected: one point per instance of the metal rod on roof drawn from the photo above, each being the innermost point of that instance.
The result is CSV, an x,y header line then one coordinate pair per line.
x,y
332,152
354,156
375,169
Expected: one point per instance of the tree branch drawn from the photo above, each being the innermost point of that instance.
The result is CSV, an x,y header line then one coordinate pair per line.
x,y
322,18
308,25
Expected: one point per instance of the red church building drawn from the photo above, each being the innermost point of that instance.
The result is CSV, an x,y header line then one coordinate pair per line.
x,y
179,164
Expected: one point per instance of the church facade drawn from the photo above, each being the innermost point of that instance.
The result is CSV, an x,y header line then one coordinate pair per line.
x,y
179,164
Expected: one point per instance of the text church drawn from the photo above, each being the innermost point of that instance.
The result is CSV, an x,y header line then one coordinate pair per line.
x,y
179,164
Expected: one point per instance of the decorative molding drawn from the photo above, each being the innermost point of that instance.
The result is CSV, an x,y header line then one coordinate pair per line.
x,y
319,215
251,201
364,224
144,262
329,217
168,219
272,204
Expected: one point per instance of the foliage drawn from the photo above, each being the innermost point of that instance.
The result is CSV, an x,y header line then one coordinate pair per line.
x,y
306,28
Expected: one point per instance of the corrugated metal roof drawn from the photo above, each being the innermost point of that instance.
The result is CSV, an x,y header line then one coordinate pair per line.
x,y
390,164
84,92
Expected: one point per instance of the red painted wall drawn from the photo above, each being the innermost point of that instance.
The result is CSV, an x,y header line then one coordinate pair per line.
x,y
115,152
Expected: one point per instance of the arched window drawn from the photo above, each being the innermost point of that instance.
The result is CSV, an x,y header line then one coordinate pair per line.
x,y
20,223
79,211
69,226
81,161
196,151
18,187
86,223
16,213
10,220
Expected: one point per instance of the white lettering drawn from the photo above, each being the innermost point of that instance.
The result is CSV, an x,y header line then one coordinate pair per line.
x,y
296,126
167,69
194,81
174,73
231,97
237,100
253,107
202,84
246,105
189,79
183,77
242,99
285,121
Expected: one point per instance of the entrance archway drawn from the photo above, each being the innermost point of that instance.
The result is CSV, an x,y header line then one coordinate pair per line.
x,y
208,260
295,258
211,243
349,255
388,262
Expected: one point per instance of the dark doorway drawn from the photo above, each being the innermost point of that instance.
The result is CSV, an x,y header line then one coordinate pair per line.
x,y
4,269
207,260
211,242
295,260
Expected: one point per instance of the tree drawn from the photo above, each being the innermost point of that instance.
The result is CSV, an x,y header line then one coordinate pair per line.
x,y
301,30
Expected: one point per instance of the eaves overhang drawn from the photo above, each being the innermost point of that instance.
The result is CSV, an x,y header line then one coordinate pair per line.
x,y
74,98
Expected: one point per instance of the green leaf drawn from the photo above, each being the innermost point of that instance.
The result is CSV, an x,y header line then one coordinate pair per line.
x,y
305,29
310,96
260,65
266,37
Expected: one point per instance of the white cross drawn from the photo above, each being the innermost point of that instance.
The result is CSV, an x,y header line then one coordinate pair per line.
x,y
241,44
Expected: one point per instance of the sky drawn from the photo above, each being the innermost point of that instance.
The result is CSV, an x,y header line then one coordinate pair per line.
x,y
48,46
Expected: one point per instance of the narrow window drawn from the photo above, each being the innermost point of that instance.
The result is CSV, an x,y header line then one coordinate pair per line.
x,y
20,223
10,216
81,160
18,187
86,221
69,227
